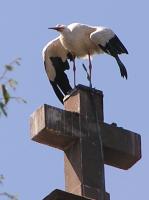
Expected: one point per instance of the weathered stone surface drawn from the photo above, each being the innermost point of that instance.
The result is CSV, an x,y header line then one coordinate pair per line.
x,y
83,171
60,129
61,195
85,158
85,101
87,141
122,148
54,127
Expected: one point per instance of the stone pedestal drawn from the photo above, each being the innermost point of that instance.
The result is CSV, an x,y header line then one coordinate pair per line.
x,y
87,141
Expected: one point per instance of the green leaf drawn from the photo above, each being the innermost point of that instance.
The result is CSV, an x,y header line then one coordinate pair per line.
x,y
9,67
2,108
5,93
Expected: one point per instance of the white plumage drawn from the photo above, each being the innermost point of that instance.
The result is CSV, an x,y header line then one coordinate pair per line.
x,y
55,61
53,48
83,40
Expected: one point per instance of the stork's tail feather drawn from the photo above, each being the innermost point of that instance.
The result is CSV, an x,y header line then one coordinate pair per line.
x,y
123,70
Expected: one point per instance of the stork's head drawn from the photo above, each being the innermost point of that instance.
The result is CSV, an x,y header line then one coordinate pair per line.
x,y
59,28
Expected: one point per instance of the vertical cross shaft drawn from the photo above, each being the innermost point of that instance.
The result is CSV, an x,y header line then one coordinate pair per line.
x,y
84,164
78,132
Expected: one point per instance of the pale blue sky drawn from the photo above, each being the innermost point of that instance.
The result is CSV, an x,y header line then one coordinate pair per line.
x,y
33,170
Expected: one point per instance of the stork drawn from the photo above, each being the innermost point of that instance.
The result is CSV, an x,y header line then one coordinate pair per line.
x,y
83,40
55,58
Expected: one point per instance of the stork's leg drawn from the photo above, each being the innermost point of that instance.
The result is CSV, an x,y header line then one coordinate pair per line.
x,y
74,71
90,71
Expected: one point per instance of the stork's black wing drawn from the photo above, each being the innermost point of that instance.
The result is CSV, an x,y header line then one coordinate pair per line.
x,y
61,83
114,47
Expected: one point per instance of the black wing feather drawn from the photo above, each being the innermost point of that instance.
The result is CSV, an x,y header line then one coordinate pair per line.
x,y
57,91
113,48
61,85
115,41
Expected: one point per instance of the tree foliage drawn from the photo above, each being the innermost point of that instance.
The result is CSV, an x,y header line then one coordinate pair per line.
x,y
8,84
6,194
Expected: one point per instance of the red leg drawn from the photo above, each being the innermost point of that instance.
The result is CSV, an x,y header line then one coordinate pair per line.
x,y
90,70
74,71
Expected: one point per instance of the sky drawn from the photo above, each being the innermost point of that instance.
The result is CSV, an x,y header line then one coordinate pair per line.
x,y
34,170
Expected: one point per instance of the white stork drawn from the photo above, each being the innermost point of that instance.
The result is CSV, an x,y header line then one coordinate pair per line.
x,y
55,61
83,40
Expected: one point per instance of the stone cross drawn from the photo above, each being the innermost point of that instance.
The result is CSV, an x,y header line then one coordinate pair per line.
x,y
87,141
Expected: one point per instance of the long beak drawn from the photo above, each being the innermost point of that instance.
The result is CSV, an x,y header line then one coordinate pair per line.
x,y
55,28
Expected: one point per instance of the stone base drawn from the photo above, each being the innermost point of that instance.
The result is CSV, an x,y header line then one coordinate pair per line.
x,y
62,195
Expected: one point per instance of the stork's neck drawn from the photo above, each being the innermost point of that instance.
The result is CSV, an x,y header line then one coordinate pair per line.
x,y
66,33
66,38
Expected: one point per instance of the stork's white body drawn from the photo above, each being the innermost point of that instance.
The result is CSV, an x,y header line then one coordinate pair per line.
x,y
53,48
55,61
81,39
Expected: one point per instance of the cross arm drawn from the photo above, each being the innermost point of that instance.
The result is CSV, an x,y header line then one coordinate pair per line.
x,y
60,129
122,148
54,127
